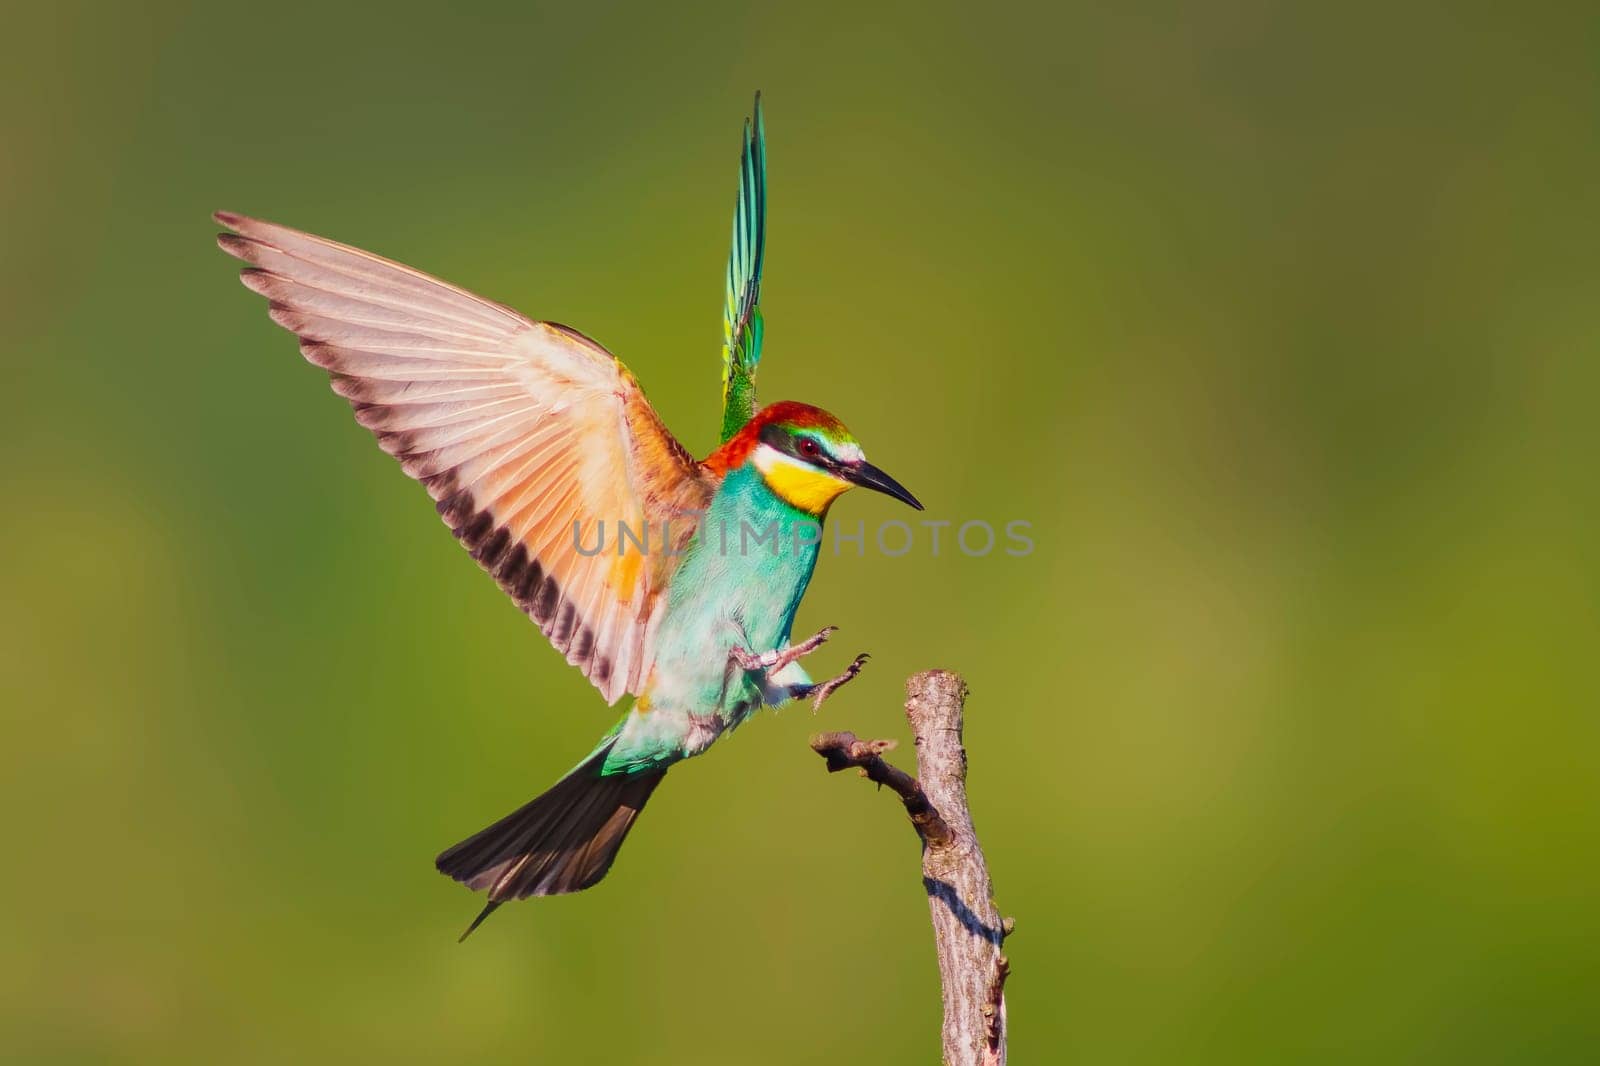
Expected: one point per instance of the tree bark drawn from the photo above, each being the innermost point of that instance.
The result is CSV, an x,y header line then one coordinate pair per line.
x,y
968,931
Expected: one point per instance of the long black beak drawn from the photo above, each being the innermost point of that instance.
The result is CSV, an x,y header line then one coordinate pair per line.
x,y
869,476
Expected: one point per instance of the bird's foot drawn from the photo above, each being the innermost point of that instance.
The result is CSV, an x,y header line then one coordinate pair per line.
x,y
820,691
778,658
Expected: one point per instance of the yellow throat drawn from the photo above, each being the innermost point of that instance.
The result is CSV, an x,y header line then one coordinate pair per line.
x,y
797,484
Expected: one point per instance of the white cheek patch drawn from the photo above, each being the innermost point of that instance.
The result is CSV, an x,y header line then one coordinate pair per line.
x,y
766,457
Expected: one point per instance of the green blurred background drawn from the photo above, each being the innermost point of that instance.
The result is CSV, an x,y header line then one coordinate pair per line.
x,y
1277,321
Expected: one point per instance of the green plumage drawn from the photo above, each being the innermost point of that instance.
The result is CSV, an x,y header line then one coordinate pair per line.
x,y
741,316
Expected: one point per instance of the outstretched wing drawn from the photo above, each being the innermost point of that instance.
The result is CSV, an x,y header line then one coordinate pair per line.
x,y
741,316
527,434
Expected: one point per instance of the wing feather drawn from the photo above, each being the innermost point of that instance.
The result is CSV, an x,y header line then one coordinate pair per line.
x,y
741,313
527,434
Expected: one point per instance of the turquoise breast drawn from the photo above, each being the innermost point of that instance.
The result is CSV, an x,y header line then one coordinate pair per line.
x,y
740,582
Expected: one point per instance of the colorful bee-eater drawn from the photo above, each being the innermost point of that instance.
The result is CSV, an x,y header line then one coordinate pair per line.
x,y
533,440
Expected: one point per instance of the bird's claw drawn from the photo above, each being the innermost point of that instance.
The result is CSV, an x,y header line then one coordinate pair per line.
x,y
778,658
745,659
820,691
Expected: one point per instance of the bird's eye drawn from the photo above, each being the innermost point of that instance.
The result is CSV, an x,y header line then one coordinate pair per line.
x,y
808,448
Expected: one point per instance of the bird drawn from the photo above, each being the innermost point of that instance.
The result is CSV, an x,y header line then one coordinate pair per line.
x,y
533,440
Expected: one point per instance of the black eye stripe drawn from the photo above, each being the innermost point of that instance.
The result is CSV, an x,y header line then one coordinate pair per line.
x,y
776,438
797,445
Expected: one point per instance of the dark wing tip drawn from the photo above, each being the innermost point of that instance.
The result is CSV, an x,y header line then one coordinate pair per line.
x,y
753,133
237,243
262,282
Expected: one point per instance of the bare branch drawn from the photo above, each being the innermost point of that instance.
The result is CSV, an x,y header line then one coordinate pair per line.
x,y
967,928
843,750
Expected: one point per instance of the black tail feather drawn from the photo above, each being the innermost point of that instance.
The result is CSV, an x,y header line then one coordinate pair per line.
x,y
563,841
489,909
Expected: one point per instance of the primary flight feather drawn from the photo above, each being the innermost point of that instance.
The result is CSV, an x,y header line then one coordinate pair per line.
x,y
534,442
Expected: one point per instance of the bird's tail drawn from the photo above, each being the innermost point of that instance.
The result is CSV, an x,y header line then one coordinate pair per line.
x,y
563,841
